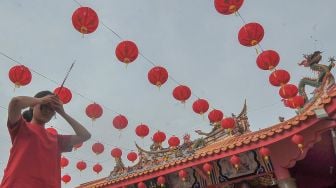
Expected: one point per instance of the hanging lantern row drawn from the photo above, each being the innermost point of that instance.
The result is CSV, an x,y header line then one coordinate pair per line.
x,y
20,75
251,34
157,76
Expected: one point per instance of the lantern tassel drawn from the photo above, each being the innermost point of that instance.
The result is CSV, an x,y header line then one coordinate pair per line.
x,y
300,147
236,167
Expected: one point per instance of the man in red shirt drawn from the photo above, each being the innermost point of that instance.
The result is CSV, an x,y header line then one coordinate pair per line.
x,y
34,160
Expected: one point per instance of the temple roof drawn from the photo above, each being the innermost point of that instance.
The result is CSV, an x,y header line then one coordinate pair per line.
x,y
230,145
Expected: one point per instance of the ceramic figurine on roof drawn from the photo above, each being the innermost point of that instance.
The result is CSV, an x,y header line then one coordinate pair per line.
x,y
282,155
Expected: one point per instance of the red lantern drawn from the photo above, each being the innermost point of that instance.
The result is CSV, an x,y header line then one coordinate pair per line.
x,y
142,185
66,178
200,106
235,161
298,140
127,51
120,122
279,77
183,175
81,165
97,168
94,111
20,75
182,93
207,168
132,156
227,7
215,116
64,162
158,76
76,146
288,91
85,20
98,148
64,94
289,103
173,141
142,130
51,131
250,34
295,102
116,153
265,152
298,101
268,60
161,181
229,124
159,137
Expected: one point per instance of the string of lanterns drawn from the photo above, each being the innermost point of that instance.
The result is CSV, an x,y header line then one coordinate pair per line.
x,y
127,52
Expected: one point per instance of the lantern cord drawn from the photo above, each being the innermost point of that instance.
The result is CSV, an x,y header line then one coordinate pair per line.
x,y
241,17
77,2
66,76
112,31
148,60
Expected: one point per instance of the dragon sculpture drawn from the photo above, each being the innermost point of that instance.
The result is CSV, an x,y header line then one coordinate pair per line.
x,y
323,72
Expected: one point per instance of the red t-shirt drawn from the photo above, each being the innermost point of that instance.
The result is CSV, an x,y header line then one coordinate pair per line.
x,y
34,160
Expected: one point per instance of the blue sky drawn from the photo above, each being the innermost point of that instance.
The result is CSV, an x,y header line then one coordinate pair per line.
x,y
197,45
